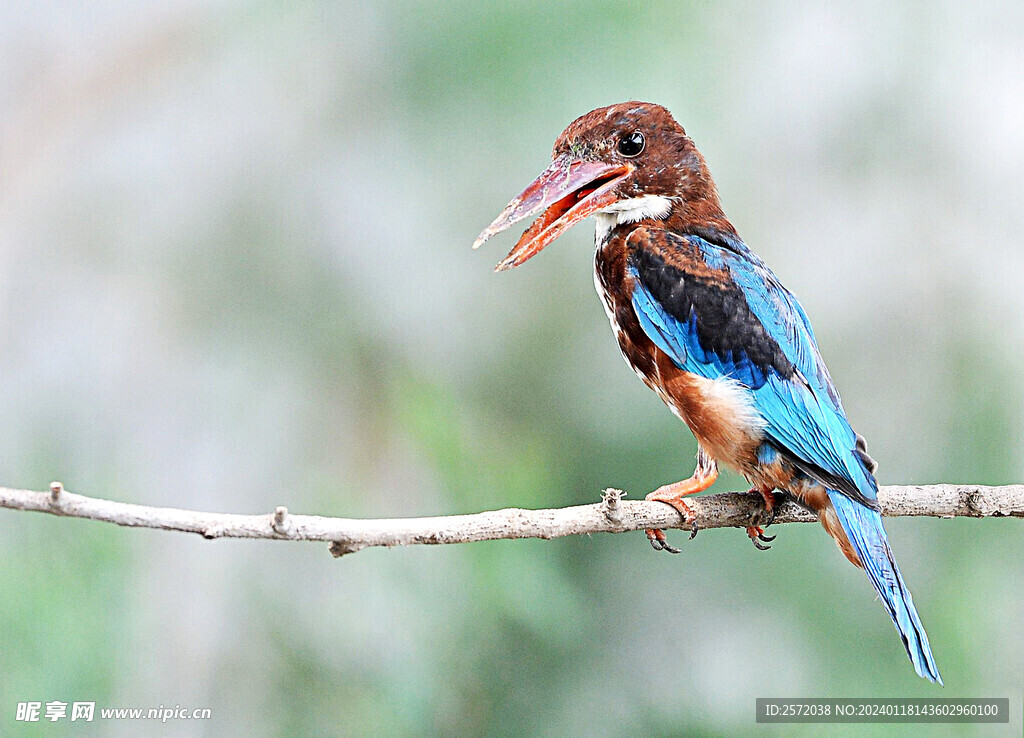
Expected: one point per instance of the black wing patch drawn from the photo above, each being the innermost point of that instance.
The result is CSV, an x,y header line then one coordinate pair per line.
x,y
725,325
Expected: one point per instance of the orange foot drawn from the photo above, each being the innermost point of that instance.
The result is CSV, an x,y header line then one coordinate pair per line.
x,y
673,494
756,532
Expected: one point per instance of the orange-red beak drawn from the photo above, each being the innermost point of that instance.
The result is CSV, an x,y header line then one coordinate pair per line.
x,y
567,191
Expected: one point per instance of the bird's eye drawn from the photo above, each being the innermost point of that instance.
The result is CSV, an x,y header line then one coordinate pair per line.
x,y
632,144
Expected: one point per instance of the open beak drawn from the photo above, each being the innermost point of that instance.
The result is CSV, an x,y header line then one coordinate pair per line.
x,y
567,191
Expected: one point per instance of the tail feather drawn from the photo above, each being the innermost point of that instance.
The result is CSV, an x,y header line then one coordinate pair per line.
x,y
866,535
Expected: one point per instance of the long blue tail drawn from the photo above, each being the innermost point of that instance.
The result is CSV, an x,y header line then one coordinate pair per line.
x,y
863,527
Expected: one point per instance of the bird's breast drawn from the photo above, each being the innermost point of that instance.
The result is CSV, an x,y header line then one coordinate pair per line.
x,y
614,287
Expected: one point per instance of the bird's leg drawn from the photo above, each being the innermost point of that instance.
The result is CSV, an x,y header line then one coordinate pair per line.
x,y
672,494
767,516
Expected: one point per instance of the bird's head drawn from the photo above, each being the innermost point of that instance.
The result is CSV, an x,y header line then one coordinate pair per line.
x,y
626,163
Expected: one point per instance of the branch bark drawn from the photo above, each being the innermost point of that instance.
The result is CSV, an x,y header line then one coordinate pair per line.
x,y
611,515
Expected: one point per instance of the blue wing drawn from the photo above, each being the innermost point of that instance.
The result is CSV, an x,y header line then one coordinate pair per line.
x,y
718,311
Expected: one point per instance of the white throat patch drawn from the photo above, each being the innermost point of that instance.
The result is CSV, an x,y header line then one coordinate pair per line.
x,y
631,211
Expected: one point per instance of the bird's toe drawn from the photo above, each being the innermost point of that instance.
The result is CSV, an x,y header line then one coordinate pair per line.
x,y
657,538
756,535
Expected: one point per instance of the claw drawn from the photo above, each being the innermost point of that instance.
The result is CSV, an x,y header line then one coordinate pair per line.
x,y
757,535
771,507
657,538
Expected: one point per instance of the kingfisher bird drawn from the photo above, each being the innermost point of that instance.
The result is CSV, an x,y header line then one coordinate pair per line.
x,y
706,324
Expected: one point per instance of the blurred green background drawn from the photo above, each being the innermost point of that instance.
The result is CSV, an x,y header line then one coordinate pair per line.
x,y
235,273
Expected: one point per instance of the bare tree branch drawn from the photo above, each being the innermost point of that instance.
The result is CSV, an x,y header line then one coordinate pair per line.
x,y
611,515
